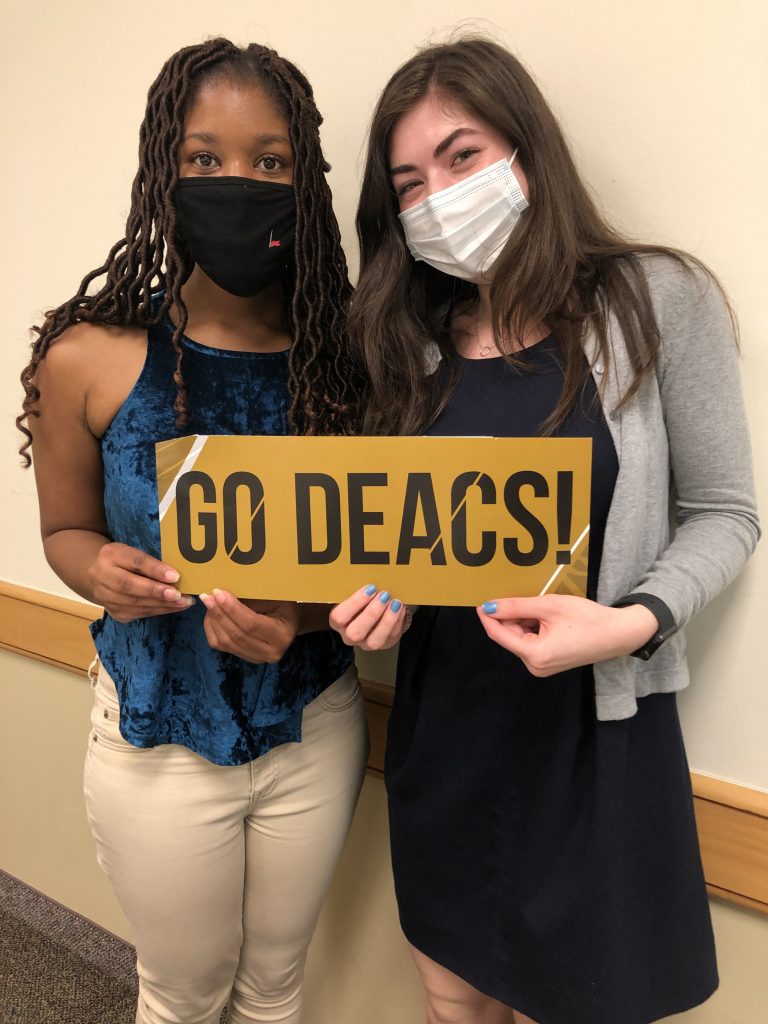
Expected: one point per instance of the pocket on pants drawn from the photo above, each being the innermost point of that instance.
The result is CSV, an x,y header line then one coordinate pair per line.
x,y
105,717
342,693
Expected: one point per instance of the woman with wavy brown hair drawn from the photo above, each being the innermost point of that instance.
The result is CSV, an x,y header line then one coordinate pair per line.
x,y
229,740
543,839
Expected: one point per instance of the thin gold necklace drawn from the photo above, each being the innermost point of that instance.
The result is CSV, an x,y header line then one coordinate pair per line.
x,y
483,350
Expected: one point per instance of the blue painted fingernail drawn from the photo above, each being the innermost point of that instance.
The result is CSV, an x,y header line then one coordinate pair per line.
x,y
384,596
370,590
396,606
489,607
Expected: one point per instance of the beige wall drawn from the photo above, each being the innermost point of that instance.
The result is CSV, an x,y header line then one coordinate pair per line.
x,y
664,104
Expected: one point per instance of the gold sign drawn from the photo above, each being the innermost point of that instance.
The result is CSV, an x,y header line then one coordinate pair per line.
x,y
434,520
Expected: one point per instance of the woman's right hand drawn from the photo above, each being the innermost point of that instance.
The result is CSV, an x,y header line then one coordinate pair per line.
x,y
370,619
130,584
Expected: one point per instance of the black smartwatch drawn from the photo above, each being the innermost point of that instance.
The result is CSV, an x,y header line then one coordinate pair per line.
x,y
664,617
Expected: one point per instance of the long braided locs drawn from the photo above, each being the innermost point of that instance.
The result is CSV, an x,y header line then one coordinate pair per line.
x,y
325,386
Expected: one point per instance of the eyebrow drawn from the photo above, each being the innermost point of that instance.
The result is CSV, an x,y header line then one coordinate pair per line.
x,y
440,148
264,140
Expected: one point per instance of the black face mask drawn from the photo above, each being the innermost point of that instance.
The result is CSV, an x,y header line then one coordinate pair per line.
x,y
239,231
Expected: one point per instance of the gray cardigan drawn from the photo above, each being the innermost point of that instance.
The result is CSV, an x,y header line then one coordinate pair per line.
x,y
683,446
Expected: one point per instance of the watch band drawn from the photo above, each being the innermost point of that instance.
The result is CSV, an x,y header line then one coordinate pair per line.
x,y
664,617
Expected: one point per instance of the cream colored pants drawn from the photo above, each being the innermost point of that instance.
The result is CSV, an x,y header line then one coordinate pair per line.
x,y
221,871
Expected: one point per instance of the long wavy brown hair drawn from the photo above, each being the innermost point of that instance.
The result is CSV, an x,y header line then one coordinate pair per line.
x,y
563,265
323,385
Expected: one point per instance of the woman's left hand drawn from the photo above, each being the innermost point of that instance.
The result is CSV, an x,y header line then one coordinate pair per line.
x,y
556,632
256,631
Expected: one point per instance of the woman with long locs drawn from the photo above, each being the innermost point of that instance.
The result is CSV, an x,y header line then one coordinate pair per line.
x,y
543,838
228,742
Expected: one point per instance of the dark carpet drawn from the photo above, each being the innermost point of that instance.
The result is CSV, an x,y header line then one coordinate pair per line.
x,y
58,968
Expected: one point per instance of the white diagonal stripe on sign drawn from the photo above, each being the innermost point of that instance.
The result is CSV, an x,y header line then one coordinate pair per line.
x,y
186,465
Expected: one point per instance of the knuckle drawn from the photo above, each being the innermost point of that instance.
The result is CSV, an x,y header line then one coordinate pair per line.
x,y
355,635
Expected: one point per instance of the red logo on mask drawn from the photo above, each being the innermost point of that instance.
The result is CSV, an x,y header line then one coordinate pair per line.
x,y
273,244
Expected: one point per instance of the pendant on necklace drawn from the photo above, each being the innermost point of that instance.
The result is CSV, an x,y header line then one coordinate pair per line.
x,y
485,350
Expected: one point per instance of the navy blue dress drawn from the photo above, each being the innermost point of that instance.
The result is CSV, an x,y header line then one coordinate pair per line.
x,y
173,687
547,858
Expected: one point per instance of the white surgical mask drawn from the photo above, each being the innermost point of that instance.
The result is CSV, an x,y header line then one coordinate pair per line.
x,y
462,229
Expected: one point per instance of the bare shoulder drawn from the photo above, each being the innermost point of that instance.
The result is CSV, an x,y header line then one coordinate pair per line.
x,y
84,350
89,371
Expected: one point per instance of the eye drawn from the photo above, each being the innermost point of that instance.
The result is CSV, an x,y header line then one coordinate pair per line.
x,y
270,163
463,155
408,187
205,161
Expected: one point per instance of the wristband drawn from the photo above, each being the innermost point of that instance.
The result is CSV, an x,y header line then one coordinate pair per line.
x,y
664,617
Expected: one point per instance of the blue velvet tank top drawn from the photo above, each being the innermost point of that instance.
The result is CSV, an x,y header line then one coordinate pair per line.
x,y
173,687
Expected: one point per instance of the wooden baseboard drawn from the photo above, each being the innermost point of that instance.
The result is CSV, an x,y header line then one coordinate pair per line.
x,y
732,819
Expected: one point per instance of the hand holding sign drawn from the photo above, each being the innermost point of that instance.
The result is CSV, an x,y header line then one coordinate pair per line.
x,y
256,631
556,632
370,619
130,584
